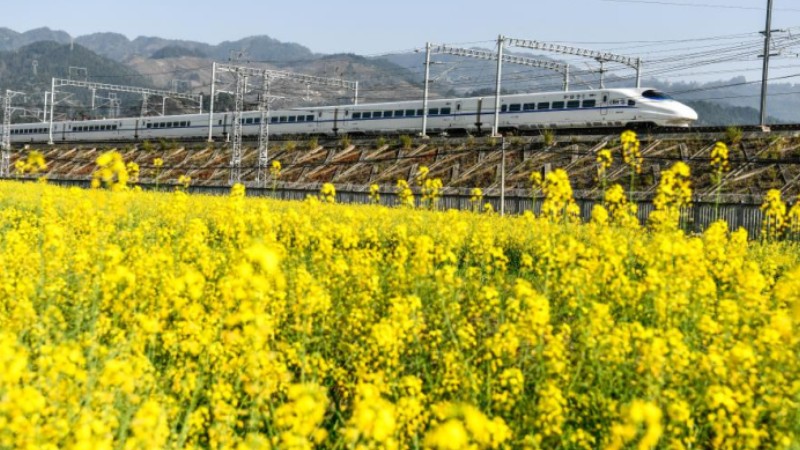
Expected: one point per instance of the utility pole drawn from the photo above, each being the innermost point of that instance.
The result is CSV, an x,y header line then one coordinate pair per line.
x,y
765,77
426,92
236,158
211,104
503,179
501,42
52,110
144,106
263,135
5,142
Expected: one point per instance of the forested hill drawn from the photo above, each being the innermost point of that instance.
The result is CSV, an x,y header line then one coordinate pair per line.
x,y
31,68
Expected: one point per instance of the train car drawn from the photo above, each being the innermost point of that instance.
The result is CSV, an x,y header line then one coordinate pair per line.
x,y
520,112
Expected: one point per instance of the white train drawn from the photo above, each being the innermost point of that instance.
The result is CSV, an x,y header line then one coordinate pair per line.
x,y
579,109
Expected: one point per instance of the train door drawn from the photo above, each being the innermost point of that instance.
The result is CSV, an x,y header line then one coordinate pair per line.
x,y
604,105
336,121
447,114
478,123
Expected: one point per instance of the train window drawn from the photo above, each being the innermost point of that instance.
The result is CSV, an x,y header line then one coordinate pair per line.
x,y
558,105
544,105
529,106
504,108
356,116
310,118
515,107
367,115
301,118
655,95
292,119
249,121
169,124
149,125
189,124
420,112
377,115
114,127
284,119
176,124
433,112
572,104
257,120
273,120
410,112
387,114
399,113
589,103
445,111
631,103
220,123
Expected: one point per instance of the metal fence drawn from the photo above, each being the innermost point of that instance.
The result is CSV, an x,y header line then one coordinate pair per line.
x,y
695,219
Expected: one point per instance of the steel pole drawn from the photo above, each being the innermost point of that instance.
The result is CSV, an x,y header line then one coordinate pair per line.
x,y
500,44
765,76
211,103
503,179
355,96
52,104
602,74
639,73
426,90
566,79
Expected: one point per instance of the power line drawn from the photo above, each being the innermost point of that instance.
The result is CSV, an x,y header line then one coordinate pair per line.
x,y
697,5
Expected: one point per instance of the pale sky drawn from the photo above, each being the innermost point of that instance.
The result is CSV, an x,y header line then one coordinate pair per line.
x,y
651,29
370,27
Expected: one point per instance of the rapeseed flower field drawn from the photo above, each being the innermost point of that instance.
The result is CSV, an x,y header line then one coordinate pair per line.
x,y
140,320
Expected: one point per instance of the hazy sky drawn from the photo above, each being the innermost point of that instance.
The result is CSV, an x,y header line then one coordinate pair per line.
x,y
375,26
647,28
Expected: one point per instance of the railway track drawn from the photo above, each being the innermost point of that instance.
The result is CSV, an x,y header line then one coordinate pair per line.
x,y
359,138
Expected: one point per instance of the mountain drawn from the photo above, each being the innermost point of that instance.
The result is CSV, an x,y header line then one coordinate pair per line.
x,y
30,69
174,51
255,48
12,40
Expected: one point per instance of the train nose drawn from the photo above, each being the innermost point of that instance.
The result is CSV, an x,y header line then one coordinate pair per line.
x,y
690,114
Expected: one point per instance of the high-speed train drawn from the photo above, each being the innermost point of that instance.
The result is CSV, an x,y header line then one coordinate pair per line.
x,y
519,112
